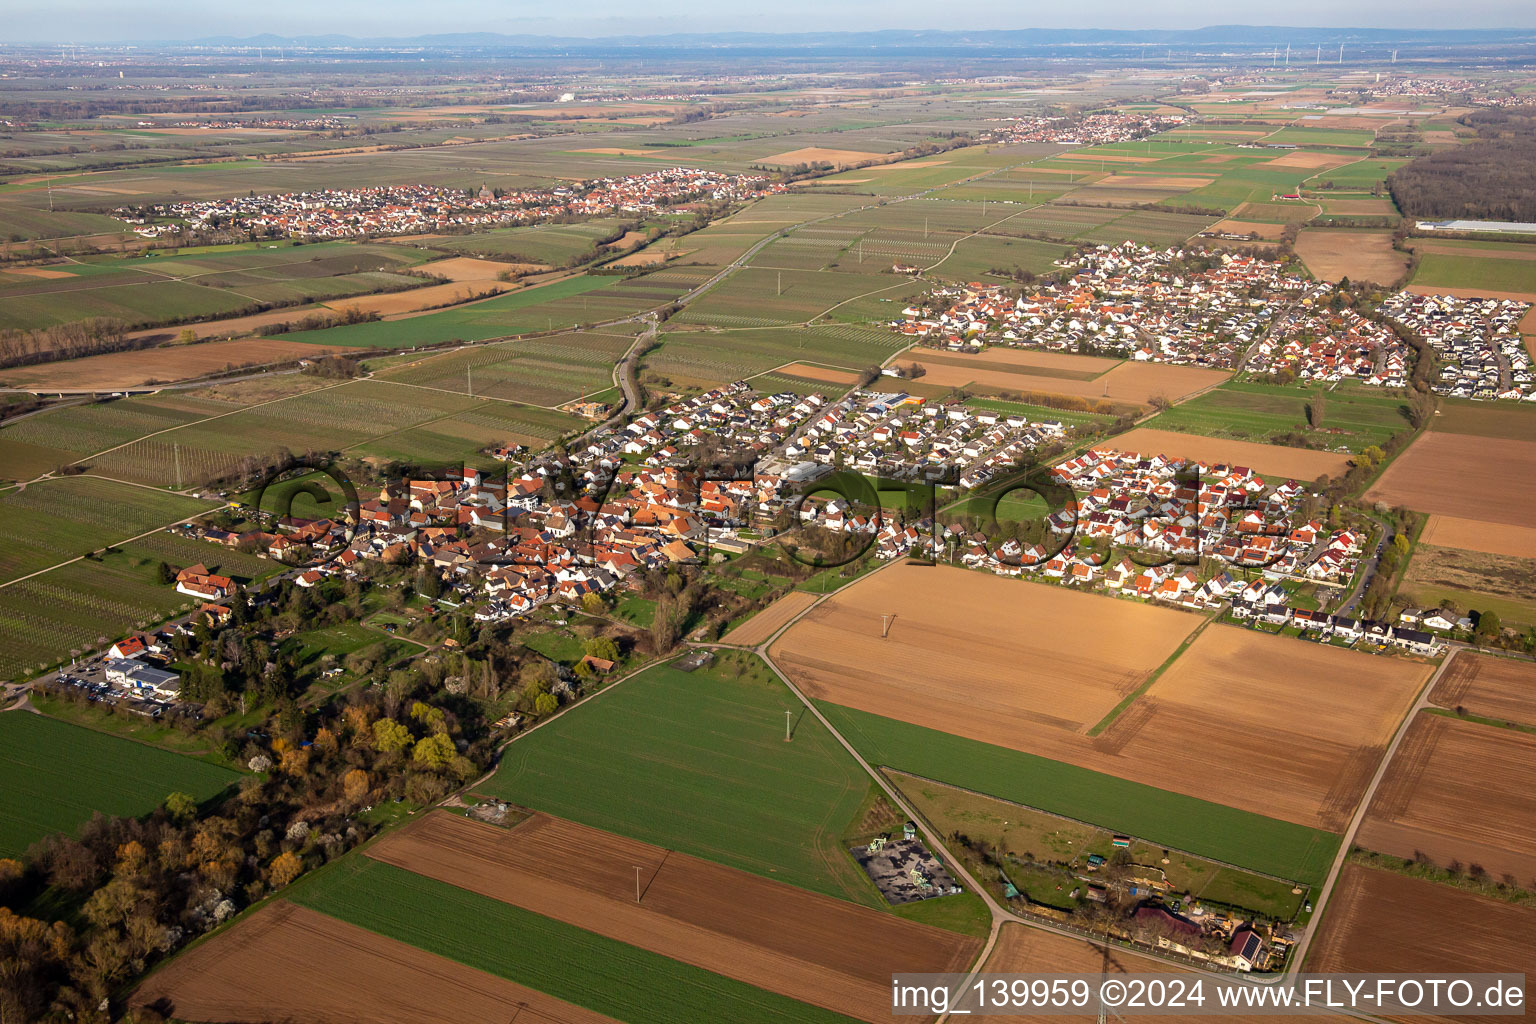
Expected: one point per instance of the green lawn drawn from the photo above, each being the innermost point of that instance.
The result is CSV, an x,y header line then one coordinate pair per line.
x,y
613,978
54,776
1198,826
697,762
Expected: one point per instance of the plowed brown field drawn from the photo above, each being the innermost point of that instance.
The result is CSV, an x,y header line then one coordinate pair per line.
x,y
1490,687
767,622
1358,255
1487,478
288,963
826,373
1247,719
1268,723
1127,382
1294,463
1472,535
811,947
117,370
978,655
1380,922
1459,791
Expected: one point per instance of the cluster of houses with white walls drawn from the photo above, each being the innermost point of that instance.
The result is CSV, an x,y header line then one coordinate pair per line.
x,y
404,209
1090,130
895,435
1479,342
559,528
1322,345
1176,305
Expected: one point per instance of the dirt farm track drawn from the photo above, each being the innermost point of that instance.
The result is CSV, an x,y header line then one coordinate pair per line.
x,y
1018,665
1459,791
1380,922
810,947
290,963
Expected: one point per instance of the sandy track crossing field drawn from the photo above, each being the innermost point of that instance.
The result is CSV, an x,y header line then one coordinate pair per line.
x,y
290,963
978,655
1380,922
800,944
1487,478
767,622
1459,791
1491,687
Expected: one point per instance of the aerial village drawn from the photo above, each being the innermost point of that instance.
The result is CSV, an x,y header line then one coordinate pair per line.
x,y
406,209
1230,311
1092,130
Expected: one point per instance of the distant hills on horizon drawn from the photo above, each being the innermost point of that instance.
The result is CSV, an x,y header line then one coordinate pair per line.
x,y
893,41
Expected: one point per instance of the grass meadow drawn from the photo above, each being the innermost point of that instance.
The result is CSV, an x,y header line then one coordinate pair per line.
x,y
54,776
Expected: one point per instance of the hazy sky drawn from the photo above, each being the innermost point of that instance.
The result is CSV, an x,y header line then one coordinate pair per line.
x,y
108,20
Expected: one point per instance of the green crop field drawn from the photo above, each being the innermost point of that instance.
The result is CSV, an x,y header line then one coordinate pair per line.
x,y
610,977
55,520
697,762
1352,417
977,256
215,281
760,297
54,776
541,371
724,356
518,312
554,244
1496,274
1209,830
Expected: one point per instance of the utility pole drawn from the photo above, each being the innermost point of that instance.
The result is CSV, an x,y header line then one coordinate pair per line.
x,y
176,455
780,289
469,380
637,883
786,726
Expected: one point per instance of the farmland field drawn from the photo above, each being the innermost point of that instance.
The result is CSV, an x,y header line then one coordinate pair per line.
x,y
119,370
1295,463
1358,255
1199,826
42,791
697,763
1467,270
541,371
1309,745
985,658
1459,791
286,962
1490,687
1476,580
767,622
982,656
207,283
1352,417
1505,420
1375,925
1125,382
1489,479
711,357
765,933
55,520
610,977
